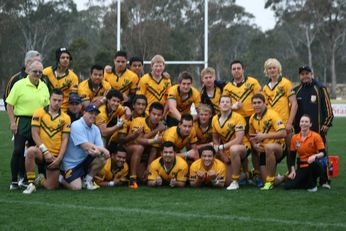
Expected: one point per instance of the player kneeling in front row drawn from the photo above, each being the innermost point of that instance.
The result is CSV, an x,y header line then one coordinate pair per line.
x,y
207,170
85,155
115,170
50,131
169,169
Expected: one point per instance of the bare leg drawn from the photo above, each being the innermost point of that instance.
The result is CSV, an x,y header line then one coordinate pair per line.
x,y
136,154
238,152
96,165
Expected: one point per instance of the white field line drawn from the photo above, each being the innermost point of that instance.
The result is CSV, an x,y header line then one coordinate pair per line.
x,y
179,214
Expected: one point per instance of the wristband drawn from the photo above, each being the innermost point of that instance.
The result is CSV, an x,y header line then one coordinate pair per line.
x,y
221,147
43,148
186,155
110,183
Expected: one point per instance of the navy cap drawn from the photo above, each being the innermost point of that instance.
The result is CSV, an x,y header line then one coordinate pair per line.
x,y
74,98
91,107
304,68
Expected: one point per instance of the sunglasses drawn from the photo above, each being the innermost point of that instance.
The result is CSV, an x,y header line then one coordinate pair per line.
x,y
36,72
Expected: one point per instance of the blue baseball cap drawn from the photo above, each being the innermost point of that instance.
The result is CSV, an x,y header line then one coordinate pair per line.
x,y
74,98
91,108
304,68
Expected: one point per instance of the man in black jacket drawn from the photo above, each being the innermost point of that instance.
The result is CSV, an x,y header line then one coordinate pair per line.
x,y
313,99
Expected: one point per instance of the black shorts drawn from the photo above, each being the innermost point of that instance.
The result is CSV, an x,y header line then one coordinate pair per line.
x,y
262,156
79,171
247,120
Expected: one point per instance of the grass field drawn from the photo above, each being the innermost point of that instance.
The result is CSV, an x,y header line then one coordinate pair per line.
x,y
174,209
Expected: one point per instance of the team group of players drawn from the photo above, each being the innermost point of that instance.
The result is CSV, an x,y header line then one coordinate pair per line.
x,y
149,135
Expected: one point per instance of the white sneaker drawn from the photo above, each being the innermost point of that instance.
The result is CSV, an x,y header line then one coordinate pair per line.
x,y
14,186
327,186
90,185
314,189
30,189
233,186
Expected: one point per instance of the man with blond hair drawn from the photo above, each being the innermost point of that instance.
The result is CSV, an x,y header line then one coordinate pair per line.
x,y
155,84
211,89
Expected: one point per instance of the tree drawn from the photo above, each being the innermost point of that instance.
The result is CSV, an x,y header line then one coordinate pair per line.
x,y
318,19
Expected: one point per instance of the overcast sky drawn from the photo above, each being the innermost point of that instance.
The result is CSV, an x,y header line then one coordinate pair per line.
x,y
264,18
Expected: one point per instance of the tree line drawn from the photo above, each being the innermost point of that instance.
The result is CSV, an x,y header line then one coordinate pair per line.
x,y
306,32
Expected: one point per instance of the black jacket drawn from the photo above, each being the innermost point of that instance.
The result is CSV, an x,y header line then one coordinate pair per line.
x,y
313,99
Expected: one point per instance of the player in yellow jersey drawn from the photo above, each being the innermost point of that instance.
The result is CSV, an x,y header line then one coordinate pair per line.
x,y
267,132
115,170
139,105
211,89
279,93
109,119
50,131
155,85
207,170
136,65
94,89
60,76
280,96
180,98
203,126
121,78
147,142
169,169
241,89
184,137
230,141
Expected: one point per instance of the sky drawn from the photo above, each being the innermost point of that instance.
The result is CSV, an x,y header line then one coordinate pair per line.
x,y
264,18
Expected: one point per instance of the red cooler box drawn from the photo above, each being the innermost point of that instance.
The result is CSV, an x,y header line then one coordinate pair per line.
x,y
333,166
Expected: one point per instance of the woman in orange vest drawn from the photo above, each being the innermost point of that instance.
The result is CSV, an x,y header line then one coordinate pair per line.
x,y
310,148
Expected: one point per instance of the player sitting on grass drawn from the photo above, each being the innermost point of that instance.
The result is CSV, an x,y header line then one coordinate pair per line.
x,y
310,148
207,170
50,131
115,170
169,169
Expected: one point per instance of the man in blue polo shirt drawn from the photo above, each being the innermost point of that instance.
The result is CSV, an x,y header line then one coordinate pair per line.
x,y
85,154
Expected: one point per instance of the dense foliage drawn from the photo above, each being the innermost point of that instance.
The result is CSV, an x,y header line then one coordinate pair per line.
x,y
306,32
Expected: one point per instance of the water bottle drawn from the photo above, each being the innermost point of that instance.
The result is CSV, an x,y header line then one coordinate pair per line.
x,y
331,168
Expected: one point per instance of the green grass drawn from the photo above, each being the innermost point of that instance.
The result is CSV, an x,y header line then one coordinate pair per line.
x,y
174,209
